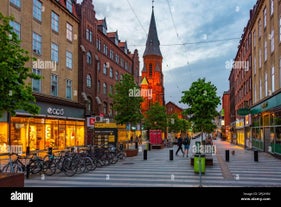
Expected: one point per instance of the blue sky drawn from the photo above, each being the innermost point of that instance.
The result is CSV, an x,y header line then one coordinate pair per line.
x,y
197,37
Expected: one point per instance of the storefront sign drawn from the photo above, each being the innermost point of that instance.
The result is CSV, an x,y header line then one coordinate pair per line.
x,y
55,111
243,111
105,125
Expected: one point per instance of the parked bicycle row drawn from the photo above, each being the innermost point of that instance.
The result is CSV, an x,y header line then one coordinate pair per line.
x,y
69,162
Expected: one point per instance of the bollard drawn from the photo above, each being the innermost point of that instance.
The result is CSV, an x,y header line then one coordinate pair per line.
x,y
27,171
50,150
256,155
27,150
171,154
136,145
227,155
145,154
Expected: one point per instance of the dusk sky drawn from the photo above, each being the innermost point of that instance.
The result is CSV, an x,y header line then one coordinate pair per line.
x,y
197,37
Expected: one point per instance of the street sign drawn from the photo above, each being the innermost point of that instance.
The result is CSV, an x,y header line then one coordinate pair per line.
x,y
243,111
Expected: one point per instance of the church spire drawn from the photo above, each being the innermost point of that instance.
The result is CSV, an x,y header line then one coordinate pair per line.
x,y
152,42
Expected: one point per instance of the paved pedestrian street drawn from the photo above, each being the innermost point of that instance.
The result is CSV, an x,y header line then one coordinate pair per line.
x,y
158,170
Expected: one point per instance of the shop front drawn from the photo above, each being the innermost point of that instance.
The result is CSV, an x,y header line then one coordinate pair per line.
x,y
56,126
266,128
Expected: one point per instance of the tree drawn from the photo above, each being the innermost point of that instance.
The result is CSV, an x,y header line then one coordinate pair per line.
x,y
127,101
177,125
202,101
156,117
14,92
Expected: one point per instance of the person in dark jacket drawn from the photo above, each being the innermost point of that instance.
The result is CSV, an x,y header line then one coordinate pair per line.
x,y
180,141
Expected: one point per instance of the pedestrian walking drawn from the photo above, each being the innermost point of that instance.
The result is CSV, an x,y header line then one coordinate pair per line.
x,y
180,141
186,144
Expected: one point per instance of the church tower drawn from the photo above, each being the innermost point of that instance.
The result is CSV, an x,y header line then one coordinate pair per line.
x,y
152,85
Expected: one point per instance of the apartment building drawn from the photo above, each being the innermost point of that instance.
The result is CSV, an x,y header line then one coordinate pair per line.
x,y
48,30
103,59
266,76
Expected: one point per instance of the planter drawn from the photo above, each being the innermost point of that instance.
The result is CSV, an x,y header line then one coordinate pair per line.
x,y
11,179
131,152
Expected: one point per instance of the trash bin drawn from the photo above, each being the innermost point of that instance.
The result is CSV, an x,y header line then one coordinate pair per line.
x,y
199,166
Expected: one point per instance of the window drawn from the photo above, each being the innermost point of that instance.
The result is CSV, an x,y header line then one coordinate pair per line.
x,y
259,27
255,65
272,40
69,89
150,69
104,88
37,10
36,83
104,69
17,3
89,35
89,81
259,57
55,52
265,49
105,108
264,17
117,59
98,87
111,54
55,22
272,79
111,89
69,5
255,93
37,43
254,37
265,84
271,7
98,66
260,89
54,85
116,75
16,28
89,58
105,49
68,59
98,44
111,73
280,28
69,29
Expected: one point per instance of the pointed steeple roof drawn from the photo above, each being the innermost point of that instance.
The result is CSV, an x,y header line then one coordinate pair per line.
x,y
152,42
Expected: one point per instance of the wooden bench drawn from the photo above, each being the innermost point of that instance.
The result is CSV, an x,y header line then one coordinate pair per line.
x,y
157,146
208,160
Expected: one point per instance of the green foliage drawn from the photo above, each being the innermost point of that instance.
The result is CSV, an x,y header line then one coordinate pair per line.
x,y
127,104
156,117
202,101
14,92
177,125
